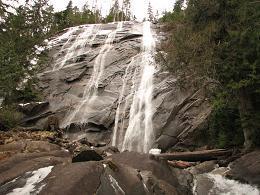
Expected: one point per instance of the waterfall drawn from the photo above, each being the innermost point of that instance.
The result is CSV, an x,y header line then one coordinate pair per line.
x,y
91,89
121,112
139,135
77,45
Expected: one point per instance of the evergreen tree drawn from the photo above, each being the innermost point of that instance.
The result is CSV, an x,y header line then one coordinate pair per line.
x,y
22,29
150,12
126,10
219,41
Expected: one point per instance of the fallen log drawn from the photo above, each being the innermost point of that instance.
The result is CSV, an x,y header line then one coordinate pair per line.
x,y
204,155
180,164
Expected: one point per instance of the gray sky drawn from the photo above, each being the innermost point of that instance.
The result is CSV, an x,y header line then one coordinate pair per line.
x,y
139,7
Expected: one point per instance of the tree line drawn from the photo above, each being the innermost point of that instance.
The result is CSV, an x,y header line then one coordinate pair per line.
x,y
217,41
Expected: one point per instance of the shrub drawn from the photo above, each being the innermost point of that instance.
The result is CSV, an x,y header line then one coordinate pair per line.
x,y
225,125
9,117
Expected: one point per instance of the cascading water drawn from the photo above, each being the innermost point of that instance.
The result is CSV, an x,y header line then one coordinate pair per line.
x,y
77,45
121,109
215,183
139,134
90,92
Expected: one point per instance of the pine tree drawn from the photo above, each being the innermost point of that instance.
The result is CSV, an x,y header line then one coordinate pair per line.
x,y
24,28
150,12
219,41
126,10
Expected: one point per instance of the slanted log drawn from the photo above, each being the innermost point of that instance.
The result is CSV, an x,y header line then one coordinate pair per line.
x,y
204,155
181,164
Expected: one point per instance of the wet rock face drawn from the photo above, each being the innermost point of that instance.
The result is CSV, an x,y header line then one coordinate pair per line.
x,y
177,113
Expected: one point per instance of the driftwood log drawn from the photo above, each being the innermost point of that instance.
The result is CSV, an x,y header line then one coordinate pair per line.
x,y
204,155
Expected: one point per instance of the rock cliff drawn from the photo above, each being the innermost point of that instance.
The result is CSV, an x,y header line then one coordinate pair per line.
x,y
73,56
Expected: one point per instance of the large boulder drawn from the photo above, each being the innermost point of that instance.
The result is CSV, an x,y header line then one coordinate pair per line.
x,y
158,168
29,157
247,168
77,178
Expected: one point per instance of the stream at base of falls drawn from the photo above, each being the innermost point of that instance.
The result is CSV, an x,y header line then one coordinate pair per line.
x,y
215,183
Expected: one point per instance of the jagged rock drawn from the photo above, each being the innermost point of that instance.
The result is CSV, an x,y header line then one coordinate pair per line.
x,y
33,108
87,155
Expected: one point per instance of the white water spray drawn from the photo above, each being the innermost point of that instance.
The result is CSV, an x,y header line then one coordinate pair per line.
x,y
139,135
76,47
90,92
120,113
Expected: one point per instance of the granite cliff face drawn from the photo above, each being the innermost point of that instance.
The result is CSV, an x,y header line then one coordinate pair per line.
x,y
103,61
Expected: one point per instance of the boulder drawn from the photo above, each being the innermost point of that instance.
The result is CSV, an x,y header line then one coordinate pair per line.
x,y
21,163
247,168
77,178
204,167
19,157
158,168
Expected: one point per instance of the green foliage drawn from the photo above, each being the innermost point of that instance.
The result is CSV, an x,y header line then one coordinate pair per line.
x,y
225,125
218,40
20,31
119,14
10,117
176,15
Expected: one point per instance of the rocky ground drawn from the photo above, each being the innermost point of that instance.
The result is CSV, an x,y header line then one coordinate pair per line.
x,y
80,168
41,162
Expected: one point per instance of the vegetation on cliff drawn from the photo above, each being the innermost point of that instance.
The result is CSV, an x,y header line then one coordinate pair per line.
x,y
218,41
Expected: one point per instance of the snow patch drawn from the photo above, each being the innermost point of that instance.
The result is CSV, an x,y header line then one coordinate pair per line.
x,y
37,176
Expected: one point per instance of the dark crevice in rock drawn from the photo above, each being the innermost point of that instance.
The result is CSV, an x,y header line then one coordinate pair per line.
x,y
36,118
130,36
87,155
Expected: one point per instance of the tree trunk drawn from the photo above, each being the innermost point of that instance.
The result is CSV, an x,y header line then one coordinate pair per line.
x,y
246,116
204,155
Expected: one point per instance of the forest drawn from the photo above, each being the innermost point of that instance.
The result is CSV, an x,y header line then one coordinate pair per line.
x,y
217,42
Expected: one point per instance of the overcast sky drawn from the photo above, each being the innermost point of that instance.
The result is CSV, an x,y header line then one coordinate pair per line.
x,y
139,7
